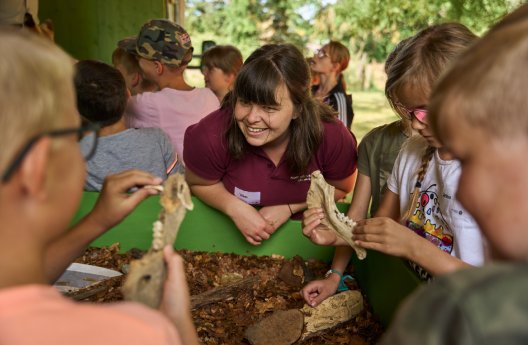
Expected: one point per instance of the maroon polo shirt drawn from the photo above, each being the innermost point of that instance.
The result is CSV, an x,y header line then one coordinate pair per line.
x,y
255,179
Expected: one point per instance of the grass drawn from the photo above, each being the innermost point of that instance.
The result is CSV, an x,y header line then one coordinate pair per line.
x,y
371,109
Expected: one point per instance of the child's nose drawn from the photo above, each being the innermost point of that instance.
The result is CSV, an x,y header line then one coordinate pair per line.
x,y
416,124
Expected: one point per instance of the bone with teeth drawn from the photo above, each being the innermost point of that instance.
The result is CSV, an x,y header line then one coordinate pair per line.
x,y
321,195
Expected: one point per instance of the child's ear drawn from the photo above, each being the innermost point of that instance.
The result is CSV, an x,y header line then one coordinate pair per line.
x,y
136,79
230,78
159,67
34,167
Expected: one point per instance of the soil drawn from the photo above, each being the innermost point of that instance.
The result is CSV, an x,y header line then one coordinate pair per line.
x,y
277,288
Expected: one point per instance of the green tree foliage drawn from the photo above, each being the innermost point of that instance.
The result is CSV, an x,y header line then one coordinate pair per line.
x,y
249,24
376,26
370,28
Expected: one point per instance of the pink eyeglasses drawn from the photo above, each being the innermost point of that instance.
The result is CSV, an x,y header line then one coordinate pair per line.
x,y
419,113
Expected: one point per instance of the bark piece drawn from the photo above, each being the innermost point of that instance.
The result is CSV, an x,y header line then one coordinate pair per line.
x,y
331,312
280,328
295,273
223,292
146,277
321,195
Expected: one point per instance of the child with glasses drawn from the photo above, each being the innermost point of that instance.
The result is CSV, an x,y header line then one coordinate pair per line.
x,y
329,62
479,109
421,189
101,99
38,198
377,152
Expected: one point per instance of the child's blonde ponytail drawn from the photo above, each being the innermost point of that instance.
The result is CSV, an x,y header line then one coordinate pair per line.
x,y
421,174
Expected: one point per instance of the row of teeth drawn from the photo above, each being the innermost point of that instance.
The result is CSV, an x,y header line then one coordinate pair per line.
x,y
342,217
255,130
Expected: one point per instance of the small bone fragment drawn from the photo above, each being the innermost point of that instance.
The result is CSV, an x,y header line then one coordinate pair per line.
x,y
321,195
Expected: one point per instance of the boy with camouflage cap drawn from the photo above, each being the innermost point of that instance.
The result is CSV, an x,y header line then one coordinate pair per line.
x,y
164,50
484,124
127,63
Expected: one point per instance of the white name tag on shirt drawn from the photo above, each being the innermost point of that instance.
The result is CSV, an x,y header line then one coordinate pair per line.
x,y
252,198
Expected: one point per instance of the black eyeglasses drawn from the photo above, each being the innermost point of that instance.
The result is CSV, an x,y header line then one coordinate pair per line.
x,y
88,131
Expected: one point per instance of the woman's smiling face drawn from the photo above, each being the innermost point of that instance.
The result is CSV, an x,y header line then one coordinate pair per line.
x,y
266,125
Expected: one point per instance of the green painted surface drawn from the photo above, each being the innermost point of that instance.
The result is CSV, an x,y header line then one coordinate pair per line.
x,y
385,280
90,29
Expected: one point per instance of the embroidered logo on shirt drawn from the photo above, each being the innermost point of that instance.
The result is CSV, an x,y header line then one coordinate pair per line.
x,y
300,178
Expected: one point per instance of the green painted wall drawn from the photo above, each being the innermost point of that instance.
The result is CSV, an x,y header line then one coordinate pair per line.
x,y
90,29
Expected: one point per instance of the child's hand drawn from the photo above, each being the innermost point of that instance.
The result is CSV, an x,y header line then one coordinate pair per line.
x,y
115,203
252,224
175,302
317,232
317,291
385,235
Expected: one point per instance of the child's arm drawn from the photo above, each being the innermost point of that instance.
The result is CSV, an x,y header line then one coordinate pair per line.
x,y
248,220
113,205
317,291
386,235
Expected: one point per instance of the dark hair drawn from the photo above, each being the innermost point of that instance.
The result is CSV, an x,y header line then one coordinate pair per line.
x,y
101,92
264,71
227,58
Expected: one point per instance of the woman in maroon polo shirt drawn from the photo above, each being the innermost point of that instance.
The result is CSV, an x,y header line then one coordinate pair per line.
x,y
262,145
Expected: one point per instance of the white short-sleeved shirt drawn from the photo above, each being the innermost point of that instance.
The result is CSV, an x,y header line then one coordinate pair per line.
x,y
438,216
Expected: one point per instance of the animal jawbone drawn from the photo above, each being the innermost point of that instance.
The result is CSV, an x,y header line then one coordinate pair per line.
x,y
321,195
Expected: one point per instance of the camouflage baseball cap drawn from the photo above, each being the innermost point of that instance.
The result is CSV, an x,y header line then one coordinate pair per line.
x,y
164,41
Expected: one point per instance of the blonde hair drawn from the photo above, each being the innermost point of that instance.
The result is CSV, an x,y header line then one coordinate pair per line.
x,y
487,86
419,63
35,78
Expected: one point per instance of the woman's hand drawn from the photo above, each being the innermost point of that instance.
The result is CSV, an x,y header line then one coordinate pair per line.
x,y
252,224
317,291
387,236
276,215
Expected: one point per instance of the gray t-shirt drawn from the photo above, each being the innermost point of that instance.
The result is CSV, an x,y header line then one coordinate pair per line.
x,y
147,149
